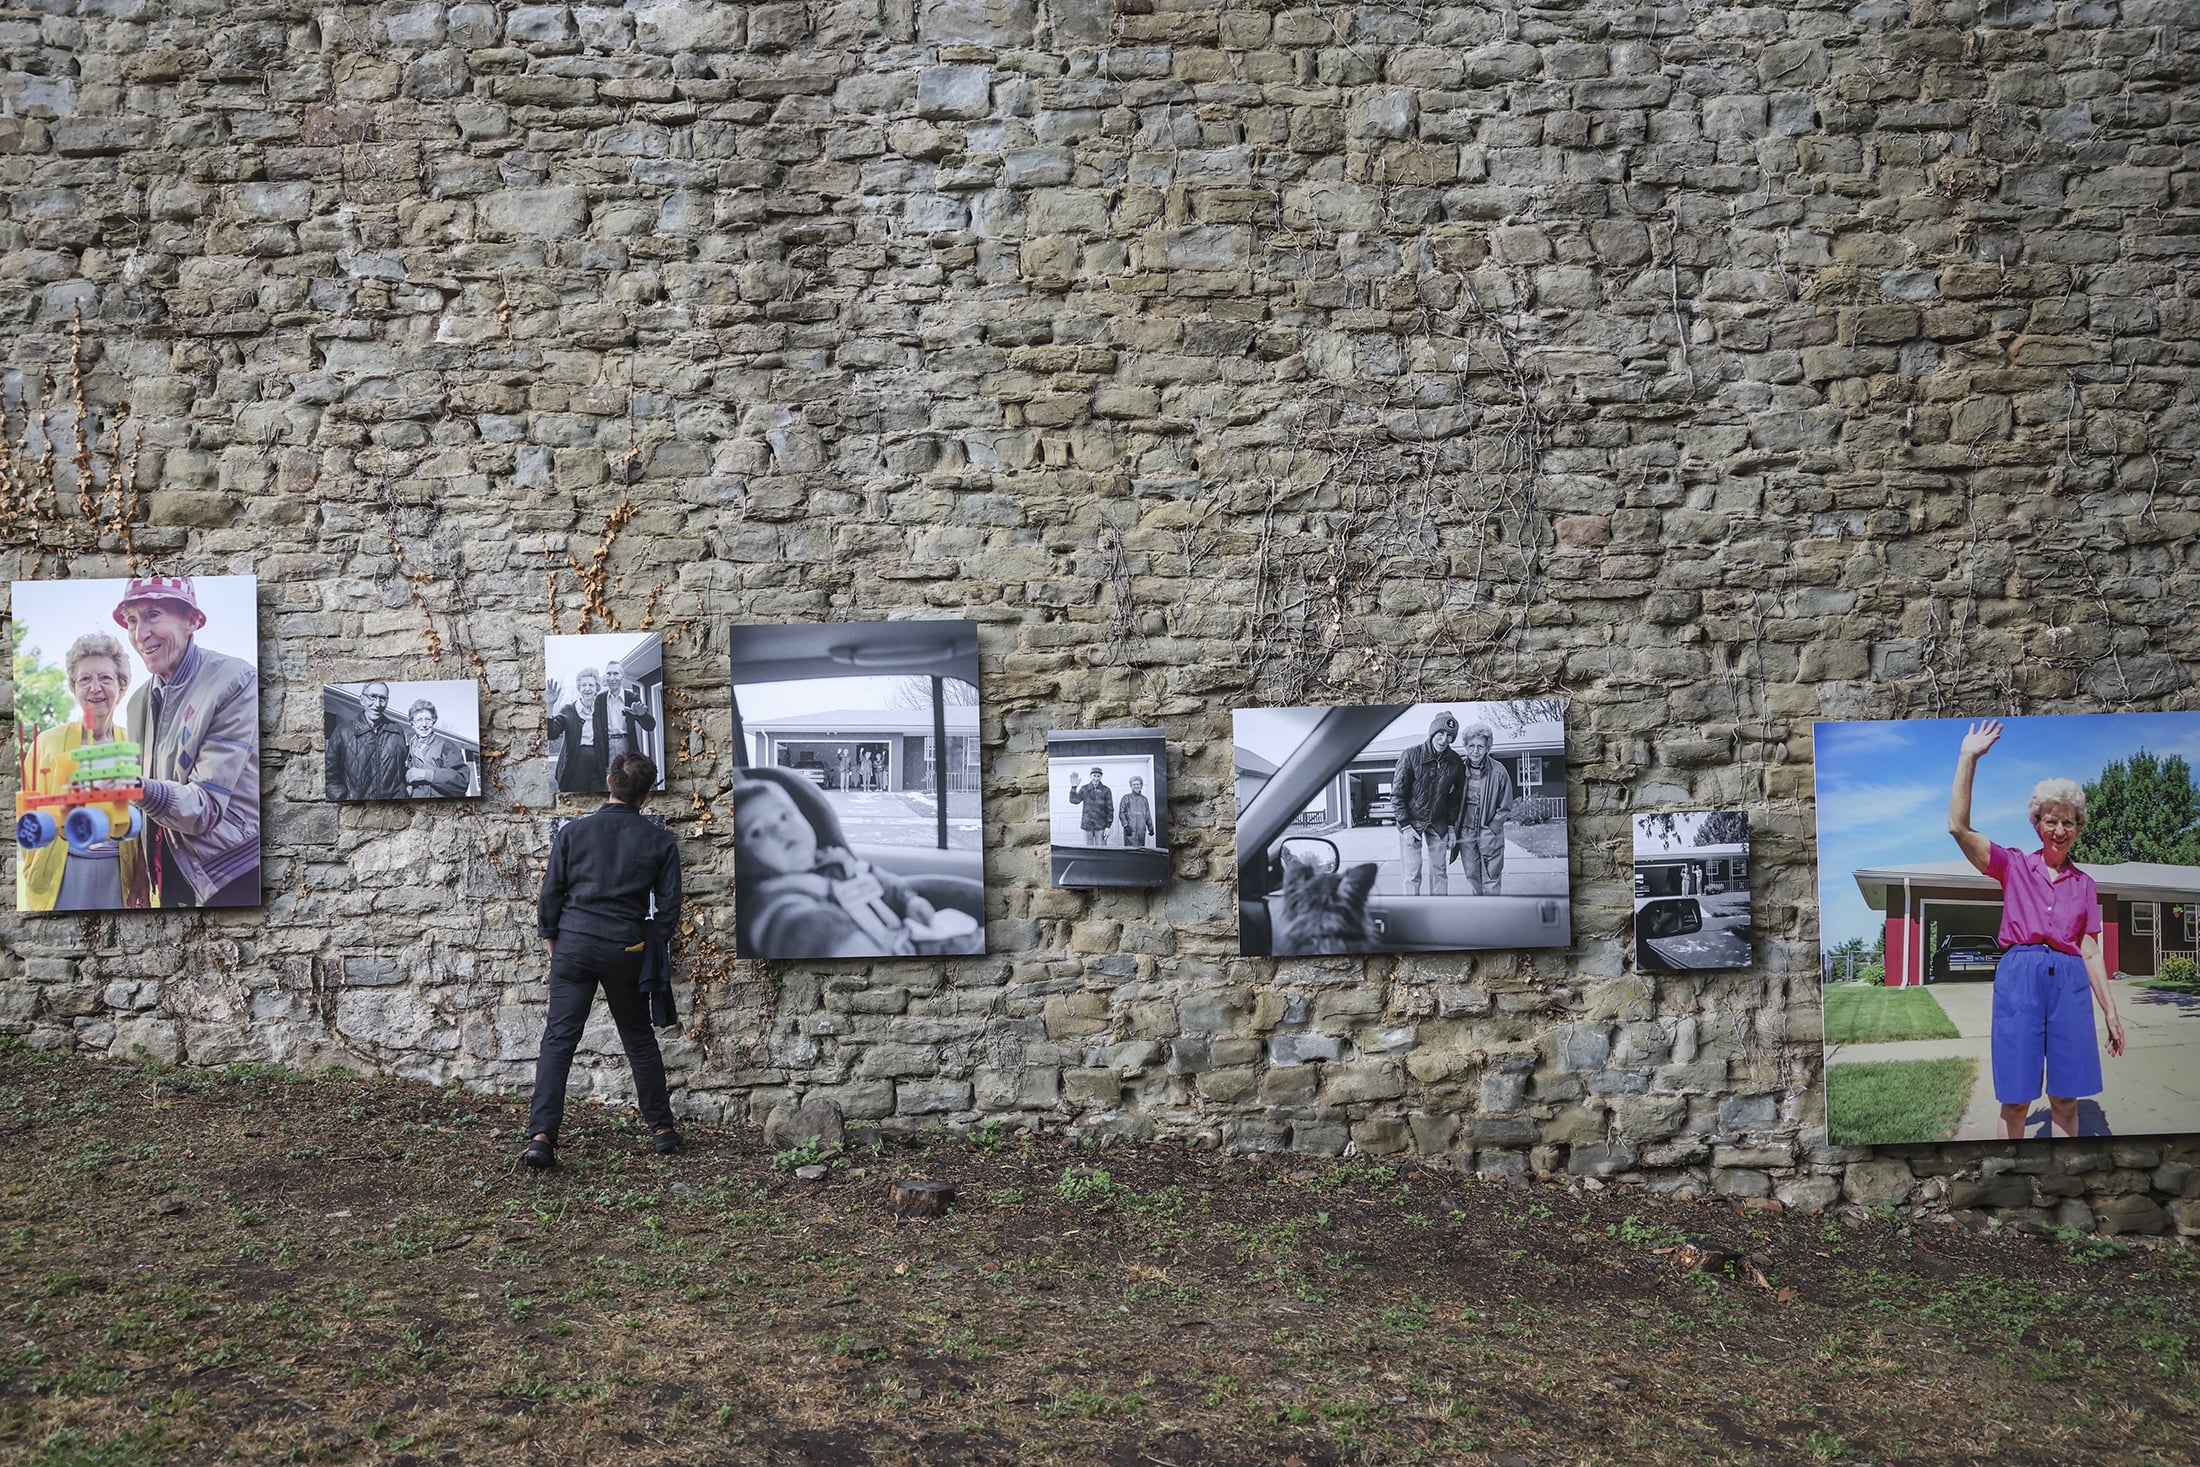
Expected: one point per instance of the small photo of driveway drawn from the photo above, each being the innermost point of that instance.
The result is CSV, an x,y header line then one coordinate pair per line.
x,y
1915,1064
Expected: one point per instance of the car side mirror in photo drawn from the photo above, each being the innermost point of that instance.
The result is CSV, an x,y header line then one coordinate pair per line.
x,y
1307,850
1669,917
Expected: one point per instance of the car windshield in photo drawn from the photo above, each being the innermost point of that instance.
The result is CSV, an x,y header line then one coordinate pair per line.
x,y
856,812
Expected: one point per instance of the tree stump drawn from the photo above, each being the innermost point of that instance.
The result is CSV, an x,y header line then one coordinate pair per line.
x,y
915,1197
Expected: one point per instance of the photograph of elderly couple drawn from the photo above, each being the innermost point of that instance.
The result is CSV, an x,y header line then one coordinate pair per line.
x,y
856,819
402,740
603,696
2010,912
137,706
1429,827
1108,807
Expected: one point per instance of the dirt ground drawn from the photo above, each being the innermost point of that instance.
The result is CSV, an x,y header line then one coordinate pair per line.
x,y
261,1267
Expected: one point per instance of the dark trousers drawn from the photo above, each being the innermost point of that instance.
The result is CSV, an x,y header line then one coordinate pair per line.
x,y
580,965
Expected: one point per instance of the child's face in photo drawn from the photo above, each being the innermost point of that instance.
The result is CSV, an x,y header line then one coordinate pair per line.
x,y
770,832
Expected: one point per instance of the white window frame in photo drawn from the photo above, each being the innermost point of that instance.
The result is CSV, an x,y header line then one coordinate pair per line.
x,y
2145,919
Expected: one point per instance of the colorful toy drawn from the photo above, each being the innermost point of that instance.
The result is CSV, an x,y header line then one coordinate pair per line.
x,y
100,803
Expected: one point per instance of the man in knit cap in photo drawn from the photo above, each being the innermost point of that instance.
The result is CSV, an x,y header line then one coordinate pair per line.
x,y
1424,789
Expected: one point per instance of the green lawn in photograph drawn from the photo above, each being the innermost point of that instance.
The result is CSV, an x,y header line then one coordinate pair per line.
x,y
1857,1014
1887,1102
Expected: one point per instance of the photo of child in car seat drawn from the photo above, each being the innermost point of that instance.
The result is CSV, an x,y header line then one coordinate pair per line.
x,y
856,819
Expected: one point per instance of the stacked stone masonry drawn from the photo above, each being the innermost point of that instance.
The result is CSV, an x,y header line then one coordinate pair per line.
x,y
1720,367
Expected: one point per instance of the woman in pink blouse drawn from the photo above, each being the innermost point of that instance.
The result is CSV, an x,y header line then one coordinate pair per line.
x,y
2050,974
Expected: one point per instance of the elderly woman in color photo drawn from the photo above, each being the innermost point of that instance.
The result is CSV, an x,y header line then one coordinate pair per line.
x,y
2051,973
102,875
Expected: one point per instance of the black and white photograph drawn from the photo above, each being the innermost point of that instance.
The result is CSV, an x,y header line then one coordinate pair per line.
x,y
401,740
1692,890
856,821
603,696
1108,807
1424,827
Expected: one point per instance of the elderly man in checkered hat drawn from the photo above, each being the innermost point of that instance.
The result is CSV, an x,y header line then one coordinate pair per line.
x,y
198,723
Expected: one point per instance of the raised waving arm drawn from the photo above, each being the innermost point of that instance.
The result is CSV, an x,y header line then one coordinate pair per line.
x,y
1977,849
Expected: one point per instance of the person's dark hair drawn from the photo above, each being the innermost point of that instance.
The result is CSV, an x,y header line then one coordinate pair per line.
x,y
631,777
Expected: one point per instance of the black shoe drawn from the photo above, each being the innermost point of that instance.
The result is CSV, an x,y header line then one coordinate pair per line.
x,y
666,1142
541,1154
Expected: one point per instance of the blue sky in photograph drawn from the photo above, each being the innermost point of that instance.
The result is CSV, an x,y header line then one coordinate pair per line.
x,y
1883,790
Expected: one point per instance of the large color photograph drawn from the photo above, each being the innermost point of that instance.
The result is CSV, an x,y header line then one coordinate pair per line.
x,y
856,820
2010,913
137,706
1108,807
603,696
1430,827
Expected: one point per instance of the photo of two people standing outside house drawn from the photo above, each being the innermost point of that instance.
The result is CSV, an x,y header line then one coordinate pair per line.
x,y
1108,806
2010,912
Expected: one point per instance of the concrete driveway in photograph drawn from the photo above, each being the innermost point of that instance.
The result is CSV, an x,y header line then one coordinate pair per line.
x,y
2152,1089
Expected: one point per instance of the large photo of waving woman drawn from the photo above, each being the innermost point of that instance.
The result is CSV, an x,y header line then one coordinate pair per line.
x,y
2011,917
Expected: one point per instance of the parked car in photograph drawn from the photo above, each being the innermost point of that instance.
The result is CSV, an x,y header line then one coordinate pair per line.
x,y
1966,955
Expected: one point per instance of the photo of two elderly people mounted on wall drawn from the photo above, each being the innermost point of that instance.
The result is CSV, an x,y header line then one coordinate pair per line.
x,y
137,717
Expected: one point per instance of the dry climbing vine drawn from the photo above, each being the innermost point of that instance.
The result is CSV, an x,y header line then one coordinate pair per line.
x,y
102,467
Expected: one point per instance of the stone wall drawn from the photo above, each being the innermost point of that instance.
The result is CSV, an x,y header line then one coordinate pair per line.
x,y
1718,367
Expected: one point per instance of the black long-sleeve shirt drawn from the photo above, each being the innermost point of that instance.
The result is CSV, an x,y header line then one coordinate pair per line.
x,y
604,871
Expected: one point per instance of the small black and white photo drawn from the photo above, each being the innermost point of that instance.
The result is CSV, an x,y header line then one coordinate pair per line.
x,y
857,831
1692,890
402,740
1424,827
1108,807
603,696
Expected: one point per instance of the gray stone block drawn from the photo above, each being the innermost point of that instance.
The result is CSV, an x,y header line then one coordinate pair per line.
x,y
954,92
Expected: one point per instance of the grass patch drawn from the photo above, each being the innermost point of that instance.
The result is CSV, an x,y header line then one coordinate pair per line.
x,y
1860,1015
1888,1102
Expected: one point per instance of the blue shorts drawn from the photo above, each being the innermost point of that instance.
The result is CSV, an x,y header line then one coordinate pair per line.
x,y
2043,1005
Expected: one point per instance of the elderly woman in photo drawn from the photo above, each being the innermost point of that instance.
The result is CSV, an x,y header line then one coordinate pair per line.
x,y
435,767
2051,973
579,739
103,875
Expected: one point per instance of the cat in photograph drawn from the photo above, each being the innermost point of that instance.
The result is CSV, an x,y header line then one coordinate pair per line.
x,y
1324,911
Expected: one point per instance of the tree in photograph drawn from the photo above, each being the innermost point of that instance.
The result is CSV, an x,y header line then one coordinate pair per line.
x,y
41,691
916,692
1521,714
2142,809
1723,828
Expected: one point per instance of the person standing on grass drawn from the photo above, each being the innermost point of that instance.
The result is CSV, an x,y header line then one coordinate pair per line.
x,y
613,876
2050,974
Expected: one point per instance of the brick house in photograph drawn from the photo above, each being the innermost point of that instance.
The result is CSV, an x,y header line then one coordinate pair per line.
x,y
2148,912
